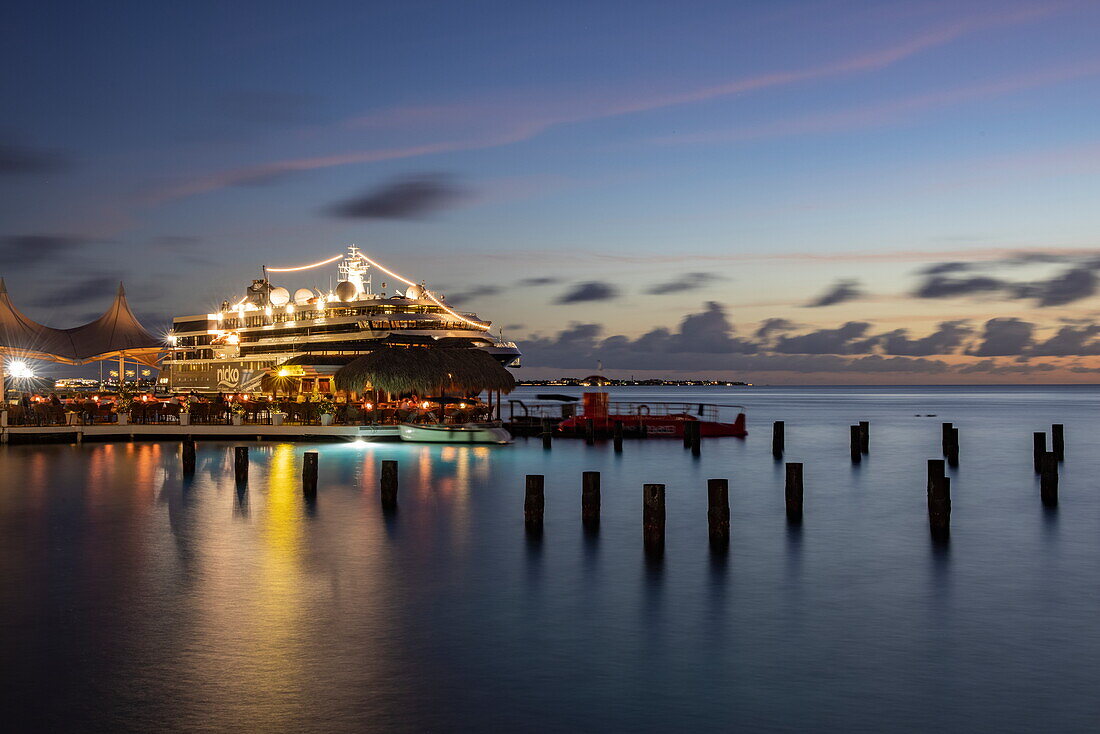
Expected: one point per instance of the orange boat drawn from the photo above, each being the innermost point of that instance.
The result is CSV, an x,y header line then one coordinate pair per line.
x,y
654,419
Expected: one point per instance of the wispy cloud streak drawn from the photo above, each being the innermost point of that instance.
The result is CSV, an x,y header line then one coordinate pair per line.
x,y
576,111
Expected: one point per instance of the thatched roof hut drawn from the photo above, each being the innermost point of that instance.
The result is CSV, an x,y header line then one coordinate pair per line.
x,y
431,371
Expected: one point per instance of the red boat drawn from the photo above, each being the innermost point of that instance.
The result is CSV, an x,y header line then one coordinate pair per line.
x,y
655,419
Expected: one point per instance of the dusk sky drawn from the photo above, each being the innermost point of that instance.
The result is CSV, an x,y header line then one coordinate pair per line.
x,y
827,191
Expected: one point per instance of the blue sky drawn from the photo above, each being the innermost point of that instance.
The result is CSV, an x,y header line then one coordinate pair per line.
x,y
754,157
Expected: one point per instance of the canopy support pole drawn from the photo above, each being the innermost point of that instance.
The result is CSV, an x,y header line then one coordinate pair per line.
x,y
121,371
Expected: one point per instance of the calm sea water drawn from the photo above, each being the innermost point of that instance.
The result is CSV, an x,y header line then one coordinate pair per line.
x,y
133,600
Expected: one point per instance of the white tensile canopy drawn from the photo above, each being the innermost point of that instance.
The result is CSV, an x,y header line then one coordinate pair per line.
x,y
115,334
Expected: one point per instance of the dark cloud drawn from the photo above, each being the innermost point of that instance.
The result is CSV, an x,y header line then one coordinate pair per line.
x,y
1067,287
945,268
1071,285
97,289
18,160
945,340
542,280
774,326
592,290
1070,341
938,286
841,291
684,282
411,197
1004,337
846,339
992,367
513,327
476,291
25,250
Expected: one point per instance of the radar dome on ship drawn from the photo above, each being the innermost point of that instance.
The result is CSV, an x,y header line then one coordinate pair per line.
x,y
279,296
346,291
303,295
414,291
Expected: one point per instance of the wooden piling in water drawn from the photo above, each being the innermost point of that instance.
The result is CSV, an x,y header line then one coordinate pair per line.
x,y
778,438
388,484
865,437
1058,441
309,474
793,492
854,444
187,451
653,516
617,435
643,428
696,437
1048,478
534,501
718,512
687,433
947,432
547,434
953,448
590,498
240,463
589,431
939,497
1038,448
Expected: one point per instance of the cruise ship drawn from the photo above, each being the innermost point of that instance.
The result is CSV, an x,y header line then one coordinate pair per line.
x,y
310,333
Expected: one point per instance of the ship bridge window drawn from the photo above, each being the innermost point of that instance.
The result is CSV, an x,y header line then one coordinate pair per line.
x,y
184,326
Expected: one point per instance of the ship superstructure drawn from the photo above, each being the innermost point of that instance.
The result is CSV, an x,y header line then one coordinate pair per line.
x,y
233,348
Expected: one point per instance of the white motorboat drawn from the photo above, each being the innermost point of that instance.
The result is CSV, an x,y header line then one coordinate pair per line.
x,y
455,433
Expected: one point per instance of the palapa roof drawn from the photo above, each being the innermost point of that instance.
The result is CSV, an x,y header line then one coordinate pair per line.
x,y
430,371
116,331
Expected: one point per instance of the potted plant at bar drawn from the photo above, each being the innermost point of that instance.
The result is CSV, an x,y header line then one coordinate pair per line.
x,y
277,417
238,414
327,411
185,414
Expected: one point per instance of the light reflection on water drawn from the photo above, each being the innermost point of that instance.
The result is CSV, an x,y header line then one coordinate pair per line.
x,y
133,598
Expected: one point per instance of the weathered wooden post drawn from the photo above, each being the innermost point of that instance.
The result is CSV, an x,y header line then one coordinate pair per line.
x,y
793,492
590,499
240,463
696,438
947,430
939,498
687,433
1048,479
953,448
547,434
653,517
865,437
1058,441
643,428
854,443
388,484
589,431
188,453
309,474
718,512
1038,448
618,436
778,438
534,502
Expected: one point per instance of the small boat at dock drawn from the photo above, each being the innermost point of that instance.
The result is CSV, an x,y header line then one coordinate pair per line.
x,y
454,433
